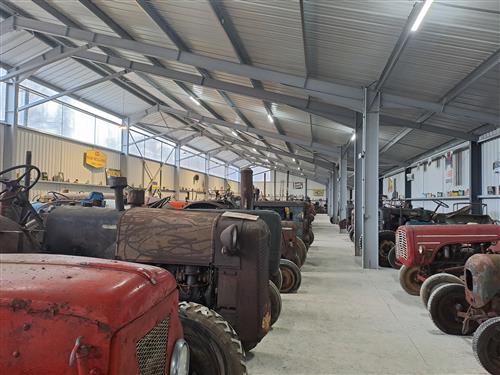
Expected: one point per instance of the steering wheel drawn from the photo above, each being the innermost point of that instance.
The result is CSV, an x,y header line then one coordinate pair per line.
x,y
59,196
17,186
440,203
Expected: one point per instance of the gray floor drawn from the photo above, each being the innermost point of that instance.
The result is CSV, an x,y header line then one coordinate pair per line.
x,y
346,320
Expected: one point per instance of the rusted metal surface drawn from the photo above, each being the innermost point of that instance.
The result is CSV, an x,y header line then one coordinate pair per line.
x,y
482,279
417,245
159,236
246,189
289,240
65,315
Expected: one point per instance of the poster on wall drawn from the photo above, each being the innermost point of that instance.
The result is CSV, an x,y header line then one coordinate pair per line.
x,y
298,185
318,192
390,185
448,168
94,159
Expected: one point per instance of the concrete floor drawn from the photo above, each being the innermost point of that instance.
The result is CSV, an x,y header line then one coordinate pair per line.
x,y
345,320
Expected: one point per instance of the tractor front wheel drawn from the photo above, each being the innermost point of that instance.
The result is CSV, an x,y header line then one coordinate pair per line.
x,y
215,348
391,257
408,278
445,305
301,251
275,298
386,241
433,282
486,345
291,276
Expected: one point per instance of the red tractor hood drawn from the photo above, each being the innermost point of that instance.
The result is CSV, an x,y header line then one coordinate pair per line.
x,y
415,244
107,292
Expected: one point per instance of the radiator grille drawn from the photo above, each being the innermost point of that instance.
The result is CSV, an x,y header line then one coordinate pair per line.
x,y
401,245
152,350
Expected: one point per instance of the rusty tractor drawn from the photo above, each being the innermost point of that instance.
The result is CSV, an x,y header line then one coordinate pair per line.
x,y
425,250
151,238
473,306
87,331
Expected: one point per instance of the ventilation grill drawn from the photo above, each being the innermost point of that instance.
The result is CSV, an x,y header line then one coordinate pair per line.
x,y
401,246
152,350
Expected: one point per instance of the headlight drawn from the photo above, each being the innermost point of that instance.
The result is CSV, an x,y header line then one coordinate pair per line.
x,y
179,365
229,239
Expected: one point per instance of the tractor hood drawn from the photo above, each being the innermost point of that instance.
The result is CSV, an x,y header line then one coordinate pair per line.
x,y
91,290
482,279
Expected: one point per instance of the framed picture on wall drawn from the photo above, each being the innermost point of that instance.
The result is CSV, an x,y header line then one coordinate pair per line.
x,y
298,185
491,190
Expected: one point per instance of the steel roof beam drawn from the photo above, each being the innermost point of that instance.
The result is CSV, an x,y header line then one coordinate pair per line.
x,y
42,60
334,93
399,47
242,54
395,140
73,90
461,86
208,120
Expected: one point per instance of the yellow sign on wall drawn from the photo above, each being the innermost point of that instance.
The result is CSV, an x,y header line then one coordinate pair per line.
x,y
95,159
318,192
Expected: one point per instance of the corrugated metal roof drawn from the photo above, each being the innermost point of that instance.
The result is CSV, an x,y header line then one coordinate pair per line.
x,y
345,41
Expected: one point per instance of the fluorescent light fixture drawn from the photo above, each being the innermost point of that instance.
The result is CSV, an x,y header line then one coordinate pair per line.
x,y
298,168
270,118
421,15
234,133
353,137
254,150
294,160
194,100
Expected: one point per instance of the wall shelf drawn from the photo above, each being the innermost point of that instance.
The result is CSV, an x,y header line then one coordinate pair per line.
x,y
489,196
460,198
71,184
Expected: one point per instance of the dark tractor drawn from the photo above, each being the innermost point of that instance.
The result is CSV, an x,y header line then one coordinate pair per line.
x,y
296,211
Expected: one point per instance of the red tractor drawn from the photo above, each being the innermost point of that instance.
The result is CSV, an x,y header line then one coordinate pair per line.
x,y
66,315
425,250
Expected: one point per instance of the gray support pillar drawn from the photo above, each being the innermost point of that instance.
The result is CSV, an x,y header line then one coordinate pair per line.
x,y
343,185
265,182
10,131
226,174
329,195
177,171
305,190
476,178
274,184
207,177
358,178
370,179
407,183
335,195
125,148
287,184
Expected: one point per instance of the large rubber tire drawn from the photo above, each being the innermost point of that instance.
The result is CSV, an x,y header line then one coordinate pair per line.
x,y
351,235
277,279
291,276
275,298
444,304
386,241
486,345
311,237
391,257
301,251
408,280
433,282
215,348
331,221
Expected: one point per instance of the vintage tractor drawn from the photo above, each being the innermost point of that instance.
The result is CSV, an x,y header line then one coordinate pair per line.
x,y
295,211
285,244
64,315
218,278
425,250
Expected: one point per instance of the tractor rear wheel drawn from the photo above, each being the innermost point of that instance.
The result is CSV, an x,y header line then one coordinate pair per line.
x,y
214,345
486,345
291,276
433,282
408,278
275,298
386,241
445,304
301,251
391,257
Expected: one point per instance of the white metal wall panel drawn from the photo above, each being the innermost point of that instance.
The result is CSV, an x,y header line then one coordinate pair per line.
x,y
187,182
490,154
2,130
215,183
135,173
399,185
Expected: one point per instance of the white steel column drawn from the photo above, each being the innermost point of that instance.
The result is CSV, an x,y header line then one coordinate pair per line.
x,y
10,131
370,179
207,176
343,185
335,195
177,171
125,148
358,178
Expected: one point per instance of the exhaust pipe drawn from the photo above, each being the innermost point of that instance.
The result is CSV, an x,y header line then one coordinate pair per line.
x,y
246,188
118,184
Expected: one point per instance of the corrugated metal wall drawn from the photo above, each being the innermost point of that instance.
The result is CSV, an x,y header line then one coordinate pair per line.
x,y
490,154
398,183
2,129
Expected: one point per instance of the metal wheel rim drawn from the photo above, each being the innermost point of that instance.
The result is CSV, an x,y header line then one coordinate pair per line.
x,y
288,279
